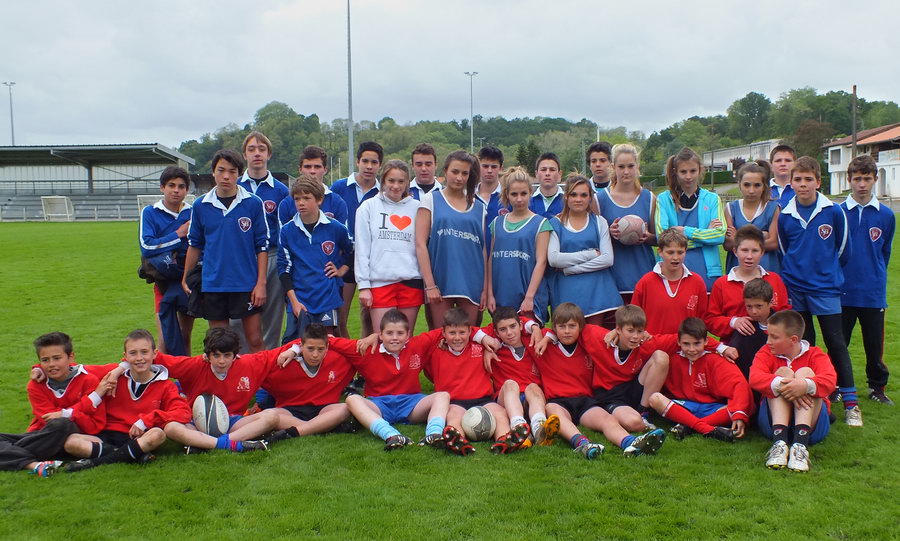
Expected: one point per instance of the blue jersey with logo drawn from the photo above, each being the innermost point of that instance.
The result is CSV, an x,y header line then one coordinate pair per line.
x,y
513,259
762,221
593,292
456,248
631,262
304,256
272,192
229,239
157,230
871,234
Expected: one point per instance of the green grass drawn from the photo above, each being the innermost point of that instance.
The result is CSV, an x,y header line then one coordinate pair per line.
x,y
80,278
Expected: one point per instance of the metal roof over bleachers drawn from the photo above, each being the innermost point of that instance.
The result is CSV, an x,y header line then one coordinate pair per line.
x,y
142,153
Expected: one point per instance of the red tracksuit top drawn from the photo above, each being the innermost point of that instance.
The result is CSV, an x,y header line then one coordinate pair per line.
x,y
565,375
159,404
74,397
666,307
765,363
384,373
523,371
463,375
294,386
726,300
609,371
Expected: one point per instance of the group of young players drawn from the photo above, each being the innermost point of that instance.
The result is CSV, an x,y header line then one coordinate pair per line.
x,y
628,330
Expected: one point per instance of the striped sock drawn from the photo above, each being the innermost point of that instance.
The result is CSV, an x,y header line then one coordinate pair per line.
x,y
577,440
849,395
383,429
223,442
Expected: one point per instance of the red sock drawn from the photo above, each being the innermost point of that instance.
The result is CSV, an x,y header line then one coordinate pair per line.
x,y
719,418
680,414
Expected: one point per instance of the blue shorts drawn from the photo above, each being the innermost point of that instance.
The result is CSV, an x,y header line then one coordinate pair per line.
x,y
233,419
823,423
396,408
700,409
817,305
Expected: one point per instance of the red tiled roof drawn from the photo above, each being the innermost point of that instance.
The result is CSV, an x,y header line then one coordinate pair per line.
x,y
864,134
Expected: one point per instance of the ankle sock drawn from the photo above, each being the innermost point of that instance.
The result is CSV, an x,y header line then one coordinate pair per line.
x,y
383,429
435,425
577,440
801,434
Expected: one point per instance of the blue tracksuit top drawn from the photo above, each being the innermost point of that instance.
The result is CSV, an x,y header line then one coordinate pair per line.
x,y
157,229
871,234
272,192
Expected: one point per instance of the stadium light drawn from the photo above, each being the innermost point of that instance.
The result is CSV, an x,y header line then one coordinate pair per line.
x,y
471,75
12,129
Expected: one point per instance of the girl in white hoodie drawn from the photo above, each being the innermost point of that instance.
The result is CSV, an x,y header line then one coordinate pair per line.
x,y
387,271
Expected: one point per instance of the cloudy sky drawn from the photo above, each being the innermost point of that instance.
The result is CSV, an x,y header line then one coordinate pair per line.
x,y
167,71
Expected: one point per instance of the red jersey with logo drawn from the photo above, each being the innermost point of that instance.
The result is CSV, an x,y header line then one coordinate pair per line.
x,y
297,385
765,363
75,397
158,405
726,301
609,369
711,378
463,375
387,374
523,370
564,374
667,303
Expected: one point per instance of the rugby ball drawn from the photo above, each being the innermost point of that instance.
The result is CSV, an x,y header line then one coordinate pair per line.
x,y
631,229
210,415
478,424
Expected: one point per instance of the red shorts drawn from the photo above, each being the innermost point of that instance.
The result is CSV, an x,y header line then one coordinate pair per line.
x,y
397,295
157,297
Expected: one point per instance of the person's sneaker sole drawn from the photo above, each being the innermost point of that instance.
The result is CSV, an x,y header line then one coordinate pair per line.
x,y
551,429
651,442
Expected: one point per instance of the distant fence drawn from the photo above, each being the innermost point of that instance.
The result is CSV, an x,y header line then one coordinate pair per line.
x,y
67,187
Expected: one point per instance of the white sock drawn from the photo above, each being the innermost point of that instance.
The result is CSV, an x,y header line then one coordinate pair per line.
x,y
537,420
516,421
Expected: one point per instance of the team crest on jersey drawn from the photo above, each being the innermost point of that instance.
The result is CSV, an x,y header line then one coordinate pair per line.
x,y
588,362
874,233
701,380
503,212
331,377
825,231
243,384
328,247
329,214
477,350
244,223
692,302
415,362
270,206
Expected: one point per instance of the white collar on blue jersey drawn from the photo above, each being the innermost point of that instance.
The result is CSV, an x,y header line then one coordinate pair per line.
x,y
270,180
732,277
496,190
415,184
852,203
658,270
537,192
161,206
213,199
822,202
327,188
352,180
299,222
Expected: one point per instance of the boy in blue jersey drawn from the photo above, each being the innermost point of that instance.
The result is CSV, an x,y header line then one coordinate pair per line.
x,y
312,259
354,190
424,163
782,159
488,189
812,235
258,180
163,241
600,163
864,295
229,229
547,200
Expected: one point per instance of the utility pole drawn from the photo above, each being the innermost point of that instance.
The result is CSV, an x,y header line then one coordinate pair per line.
x,y
349,100
12,128
852,128
471,75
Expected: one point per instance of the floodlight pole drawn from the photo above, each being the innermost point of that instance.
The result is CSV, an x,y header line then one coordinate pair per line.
x,y
349,99
12,129
471,75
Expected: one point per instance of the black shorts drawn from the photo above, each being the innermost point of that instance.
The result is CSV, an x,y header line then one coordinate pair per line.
x,y
220,306
114,437
576,406
627,393
304,413
350,277
472,402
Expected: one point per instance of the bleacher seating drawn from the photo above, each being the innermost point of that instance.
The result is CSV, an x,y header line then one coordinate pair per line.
x,y
86,207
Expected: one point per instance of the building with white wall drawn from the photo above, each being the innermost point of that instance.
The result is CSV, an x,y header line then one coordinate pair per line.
x,y
721,159
882,143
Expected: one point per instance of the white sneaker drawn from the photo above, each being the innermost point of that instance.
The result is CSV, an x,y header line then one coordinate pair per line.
x,y
853,416
777,457
799,460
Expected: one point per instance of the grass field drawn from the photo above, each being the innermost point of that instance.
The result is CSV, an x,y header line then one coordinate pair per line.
x,y
80,278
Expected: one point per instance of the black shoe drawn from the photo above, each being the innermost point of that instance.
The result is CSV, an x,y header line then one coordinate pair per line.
x,y
255,445
356,386
835,397
145,459
280,435
79,465
396,442
680,431
721,433
350,426
878,395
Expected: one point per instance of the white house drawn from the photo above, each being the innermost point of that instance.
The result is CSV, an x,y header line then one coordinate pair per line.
x,y
720,159
882,143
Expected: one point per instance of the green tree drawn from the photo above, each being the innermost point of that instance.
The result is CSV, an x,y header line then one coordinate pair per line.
x,y
747,117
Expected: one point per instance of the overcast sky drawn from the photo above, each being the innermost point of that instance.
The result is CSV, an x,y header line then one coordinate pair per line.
x,y
127,72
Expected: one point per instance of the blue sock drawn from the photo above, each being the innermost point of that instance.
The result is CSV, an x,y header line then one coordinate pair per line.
x,y
435,426
626,441
578,439
383,429
223,442
849,396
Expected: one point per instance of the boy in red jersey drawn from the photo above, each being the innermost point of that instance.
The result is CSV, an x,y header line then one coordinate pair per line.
x,y
670,292
707,391
795,379
458,367
567,373
393,390
758,297
143,401
515,375
307,392
726,312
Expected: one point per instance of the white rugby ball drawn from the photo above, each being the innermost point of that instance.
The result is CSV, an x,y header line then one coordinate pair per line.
x,y
478,423
210,415
631,229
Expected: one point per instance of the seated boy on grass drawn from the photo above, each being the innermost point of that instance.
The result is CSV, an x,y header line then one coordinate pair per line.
x,y
457,366
567,372
393,390
307,390
795,379
515,375
703,392
139,404
758,297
